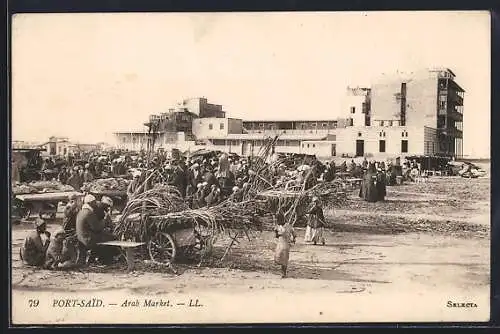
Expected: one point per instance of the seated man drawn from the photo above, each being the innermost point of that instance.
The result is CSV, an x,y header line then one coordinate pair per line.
x,y
90,231
61,253
34,248
104,207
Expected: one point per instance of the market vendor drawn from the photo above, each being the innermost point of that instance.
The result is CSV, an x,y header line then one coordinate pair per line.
x,y
61,253
75,180
70,211
35,245
90,231
104,208
87,174
135,187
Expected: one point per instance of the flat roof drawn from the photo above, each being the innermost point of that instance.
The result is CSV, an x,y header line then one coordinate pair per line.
x,y
135,132
290,120
236,136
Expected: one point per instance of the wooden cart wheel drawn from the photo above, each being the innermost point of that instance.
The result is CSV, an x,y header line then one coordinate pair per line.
x,y
162,248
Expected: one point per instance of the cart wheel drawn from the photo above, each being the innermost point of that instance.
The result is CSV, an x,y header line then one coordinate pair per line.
x,y
162,248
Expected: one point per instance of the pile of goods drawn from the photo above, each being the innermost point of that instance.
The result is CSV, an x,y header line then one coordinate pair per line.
x,y
103,186
38,187
294,204
160,200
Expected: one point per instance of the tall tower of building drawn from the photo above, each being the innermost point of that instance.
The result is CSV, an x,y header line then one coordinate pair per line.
x,y
429,99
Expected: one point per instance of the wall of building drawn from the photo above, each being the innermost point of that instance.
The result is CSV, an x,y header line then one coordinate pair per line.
x,y
352,107
431,143
384,103
422,102
212,127
318,148
421,99
193,105
346,140
234,125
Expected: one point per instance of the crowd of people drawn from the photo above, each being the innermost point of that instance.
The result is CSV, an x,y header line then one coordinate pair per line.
x,y
204,181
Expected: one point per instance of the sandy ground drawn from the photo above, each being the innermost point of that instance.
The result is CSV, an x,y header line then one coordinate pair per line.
x,y
401,260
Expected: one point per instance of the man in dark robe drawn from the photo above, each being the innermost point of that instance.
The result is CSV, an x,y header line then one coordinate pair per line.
x,y
75,180
381,185
329,174
90,231
70,211
369,191
180,180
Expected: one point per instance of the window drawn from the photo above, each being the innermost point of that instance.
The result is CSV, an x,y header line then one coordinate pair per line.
x,y
303,145
324,125
353,110
210,126
359,134
261,125
404,146
390,123
442,104
402,134
307,145
381,146
222,126
380,134
381,123
314,145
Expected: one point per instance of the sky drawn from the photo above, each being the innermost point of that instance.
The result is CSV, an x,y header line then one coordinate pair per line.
x,y
84,76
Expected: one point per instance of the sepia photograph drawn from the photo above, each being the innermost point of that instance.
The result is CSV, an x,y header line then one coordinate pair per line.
x,y
253,167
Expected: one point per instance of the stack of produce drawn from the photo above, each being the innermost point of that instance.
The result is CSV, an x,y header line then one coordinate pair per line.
x,y
100,186
160,200
37,187
215,220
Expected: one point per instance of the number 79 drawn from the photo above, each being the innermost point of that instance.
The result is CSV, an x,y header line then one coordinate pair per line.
x,y
33,302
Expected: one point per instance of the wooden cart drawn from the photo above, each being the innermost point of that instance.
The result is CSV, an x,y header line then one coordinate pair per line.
x,y
42,204
174,242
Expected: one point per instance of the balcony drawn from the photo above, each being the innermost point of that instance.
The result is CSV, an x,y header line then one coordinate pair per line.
x,y
451,132
457,99
456,116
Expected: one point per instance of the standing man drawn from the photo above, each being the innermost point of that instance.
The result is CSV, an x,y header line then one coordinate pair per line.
x,y
75,180
135,186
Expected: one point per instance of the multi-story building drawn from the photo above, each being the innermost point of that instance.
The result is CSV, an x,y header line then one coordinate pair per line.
x,y
403,114
429,101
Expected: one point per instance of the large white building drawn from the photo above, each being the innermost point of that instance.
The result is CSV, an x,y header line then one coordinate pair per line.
x,y
403,114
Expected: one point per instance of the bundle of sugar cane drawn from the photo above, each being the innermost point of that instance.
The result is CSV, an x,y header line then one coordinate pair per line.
x,y
261,175
160,200
215,220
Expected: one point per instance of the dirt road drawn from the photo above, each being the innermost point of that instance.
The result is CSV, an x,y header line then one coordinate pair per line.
x,y
402,260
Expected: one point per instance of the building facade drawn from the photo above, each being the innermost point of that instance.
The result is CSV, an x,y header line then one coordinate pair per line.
x,y
402,114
